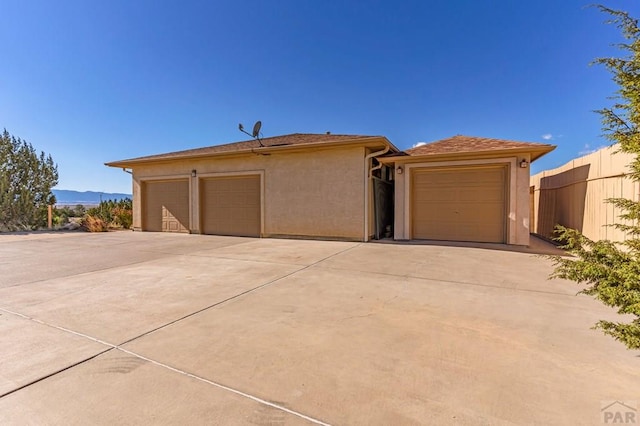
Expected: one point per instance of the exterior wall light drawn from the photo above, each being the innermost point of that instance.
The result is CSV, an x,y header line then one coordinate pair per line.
x,y
524,163
399,170
193,173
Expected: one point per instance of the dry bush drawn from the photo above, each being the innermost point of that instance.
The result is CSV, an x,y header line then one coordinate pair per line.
x,y
116,214
94,224
122,218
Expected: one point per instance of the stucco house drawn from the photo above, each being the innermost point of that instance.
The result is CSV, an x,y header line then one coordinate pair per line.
x,y
347,187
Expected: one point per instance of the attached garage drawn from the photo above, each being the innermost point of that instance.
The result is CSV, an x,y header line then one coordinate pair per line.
x,y
166,206
464,188
299,185
230,205
459,204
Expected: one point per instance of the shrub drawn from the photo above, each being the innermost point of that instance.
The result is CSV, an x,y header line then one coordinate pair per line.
x,y
116,214
26,179
610,272
94,224
123,217
78,211
60,216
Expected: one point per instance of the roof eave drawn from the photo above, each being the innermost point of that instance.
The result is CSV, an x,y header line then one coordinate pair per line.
x,y
368,141
540,153
535,153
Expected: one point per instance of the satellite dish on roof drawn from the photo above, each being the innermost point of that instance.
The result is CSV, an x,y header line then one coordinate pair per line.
x,y
256,131
256,128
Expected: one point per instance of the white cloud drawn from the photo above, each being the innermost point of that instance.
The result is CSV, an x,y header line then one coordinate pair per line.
x,y
547,136
417,144
588,150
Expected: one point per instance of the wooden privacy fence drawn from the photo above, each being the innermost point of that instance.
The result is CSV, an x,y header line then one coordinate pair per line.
x,y
574,195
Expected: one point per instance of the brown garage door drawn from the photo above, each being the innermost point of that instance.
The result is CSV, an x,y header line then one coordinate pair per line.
x,y
231,205
166,206
459,204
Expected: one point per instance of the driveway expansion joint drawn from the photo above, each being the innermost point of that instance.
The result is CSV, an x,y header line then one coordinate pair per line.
x,y
157,363
483,346
251,290
166,366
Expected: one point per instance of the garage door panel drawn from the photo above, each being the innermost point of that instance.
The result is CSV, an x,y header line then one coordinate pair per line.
x,y
442,213
486,214
439,232
478,208
439,194
166,206
482,232
464,204
231,205
476,195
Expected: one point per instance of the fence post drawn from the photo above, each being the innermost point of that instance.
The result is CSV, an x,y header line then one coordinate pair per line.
x,y
49,216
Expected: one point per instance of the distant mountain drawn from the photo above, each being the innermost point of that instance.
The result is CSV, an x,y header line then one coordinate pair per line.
x,y
64,196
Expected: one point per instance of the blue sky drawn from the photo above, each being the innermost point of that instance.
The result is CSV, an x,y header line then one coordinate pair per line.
x,y
90,82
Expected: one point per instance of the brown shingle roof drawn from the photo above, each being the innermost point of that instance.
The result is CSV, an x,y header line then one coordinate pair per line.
x,y
472,144
248,145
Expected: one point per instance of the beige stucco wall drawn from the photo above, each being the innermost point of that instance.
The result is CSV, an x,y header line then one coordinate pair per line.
x,y
317,193
574,195
518,201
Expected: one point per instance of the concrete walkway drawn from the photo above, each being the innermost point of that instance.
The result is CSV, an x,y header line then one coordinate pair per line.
x,y
149,328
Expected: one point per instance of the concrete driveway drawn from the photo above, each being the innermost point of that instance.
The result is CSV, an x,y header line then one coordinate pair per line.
x,y
140,328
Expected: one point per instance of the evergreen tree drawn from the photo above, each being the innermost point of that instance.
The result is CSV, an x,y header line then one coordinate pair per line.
x,y
611,271
26,179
